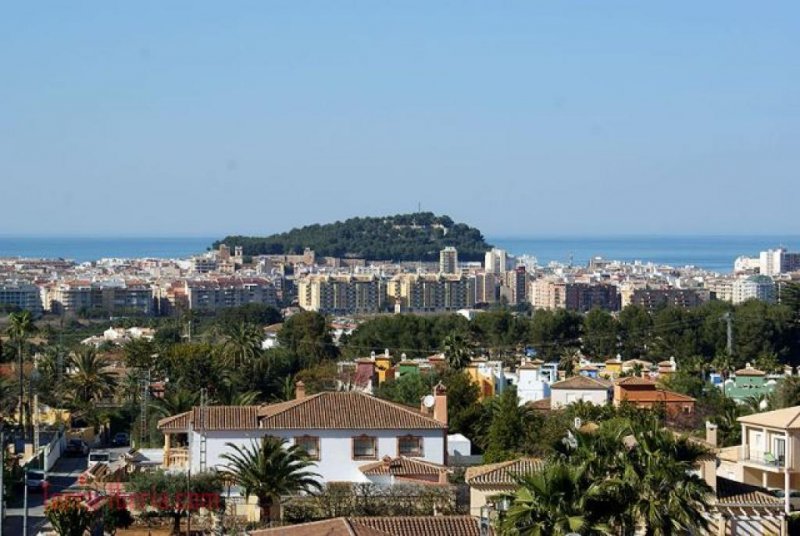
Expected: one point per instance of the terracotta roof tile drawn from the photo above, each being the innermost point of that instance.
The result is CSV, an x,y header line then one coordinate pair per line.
x,y
732,493
581,382
329,410
635,380
419,525
402,466
345,410
328,527
502,473
381,526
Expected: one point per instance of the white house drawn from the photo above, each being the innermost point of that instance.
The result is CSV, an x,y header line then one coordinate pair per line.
x,y
533,381
346,433
592,390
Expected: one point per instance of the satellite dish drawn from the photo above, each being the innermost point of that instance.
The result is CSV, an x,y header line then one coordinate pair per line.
x,y
428,401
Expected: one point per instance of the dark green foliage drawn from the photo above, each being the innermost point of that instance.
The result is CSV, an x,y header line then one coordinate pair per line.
x,y
252,313
505,436
600,332
413,335
408,390
307,336
404,237
555,332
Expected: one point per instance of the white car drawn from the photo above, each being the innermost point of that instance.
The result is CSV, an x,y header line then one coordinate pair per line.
x,y
98,456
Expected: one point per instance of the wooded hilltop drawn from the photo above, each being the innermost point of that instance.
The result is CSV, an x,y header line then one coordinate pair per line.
x,y
403,237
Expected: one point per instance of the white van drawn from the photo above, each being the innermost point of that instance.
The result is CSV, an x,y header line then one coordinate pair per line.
x,y
98,456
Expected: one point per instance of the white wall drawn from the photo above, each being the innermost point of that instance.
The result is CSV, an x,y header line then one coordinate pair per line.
x,y
562,397
336,463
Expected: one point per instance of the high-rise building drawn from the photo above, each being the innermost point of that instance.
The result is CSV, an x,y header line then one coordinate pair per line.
x,y
485,288
495,261
653,299
778,261
429,293
21,295
758,287
517,282
341,294
448,260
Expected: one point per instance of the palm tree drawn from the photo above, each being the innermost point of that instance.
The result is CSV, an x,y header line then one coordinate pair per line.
x,y
19,330
456,351
91,379
270,469
556,501
242,342
175,401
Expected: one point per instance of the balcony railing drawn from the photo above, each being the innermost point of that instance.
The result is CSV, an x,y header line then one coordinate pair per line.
x,y
178,458
762,458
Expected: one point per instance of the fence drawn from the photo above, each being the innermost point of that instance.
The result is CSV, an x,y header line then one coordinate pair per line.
x,y
54,449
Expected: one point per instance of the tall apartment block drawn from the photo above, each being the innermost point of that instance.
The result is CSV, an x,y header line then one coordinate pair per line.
x,y
448,260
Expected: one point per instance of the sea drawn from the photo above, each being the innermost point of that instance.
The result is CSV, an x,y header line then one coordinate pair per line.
x,y
714,253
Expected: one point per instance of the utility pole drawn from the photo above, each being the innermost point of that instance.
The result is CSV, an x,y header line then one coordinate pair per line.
x,y
25,505
728,318
203,446
143,427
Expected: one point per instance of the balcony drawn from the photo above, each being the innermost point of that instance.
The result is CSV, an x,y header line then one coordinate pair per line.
x,y
177,458
762,459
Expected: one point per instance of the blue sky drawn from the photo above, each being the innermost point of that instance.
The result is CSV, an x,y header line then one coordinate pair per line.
x,y
522,118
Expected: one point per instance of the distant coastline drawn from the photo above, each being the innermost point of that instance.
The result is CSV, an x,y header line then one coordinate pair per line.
x,y
715,253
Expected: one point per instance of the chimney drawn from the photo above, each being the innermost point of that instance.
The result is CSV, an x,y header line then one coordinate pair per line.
x,y
711,433
299,390
440,403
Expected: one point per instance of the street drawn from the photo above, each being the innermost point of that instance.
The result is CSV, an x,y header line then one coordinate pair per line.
x,y
63,478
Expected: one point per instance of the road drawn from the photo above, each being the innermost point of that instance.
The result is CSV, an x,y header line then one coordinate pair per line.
x,y
63,478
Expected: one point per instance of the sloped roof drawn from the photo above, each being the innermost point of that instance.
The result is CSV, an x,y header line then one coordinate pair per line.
x,y
543,404
654,395
339,526
502,473
635,380
402,466
345,410
750,371
329,410
381,526
731,493
786,418
419,525
581,382
179,422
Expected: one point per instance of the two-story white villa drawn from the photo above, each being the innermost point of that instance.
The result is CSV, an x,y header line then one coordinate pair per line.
x,y
769,455
346,433
576,388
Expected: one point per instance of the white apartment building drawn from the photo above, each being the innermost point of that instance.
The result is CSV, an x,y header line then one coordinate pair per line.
x,y
495,261
759,287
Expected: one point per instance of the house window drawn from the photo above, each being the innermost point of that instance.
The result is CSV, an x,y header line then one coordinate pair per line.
x,y
365,448
409,446
310,444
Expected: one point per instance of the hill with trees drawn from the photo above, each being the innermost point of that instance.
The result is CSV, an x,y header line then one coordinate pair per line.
x,y
403,237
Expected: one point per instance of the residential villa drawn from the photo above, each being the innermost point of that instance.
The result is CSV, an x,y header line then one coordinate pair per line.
x,y
486,482
352,436
769,455
576,388
748,382
645,393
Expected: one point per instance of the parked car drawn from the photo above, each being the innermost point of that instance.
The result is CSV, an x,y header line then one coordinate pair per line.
x,y
98,456
121,439
76,447
35,479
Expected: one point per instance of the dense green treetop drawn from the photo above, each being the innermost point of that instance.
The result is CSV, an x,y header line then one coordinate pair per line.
x,y
403,237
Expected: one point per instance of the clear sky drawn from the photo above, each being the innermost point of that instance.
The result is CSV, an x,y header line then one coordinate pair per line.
x,y
522,118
